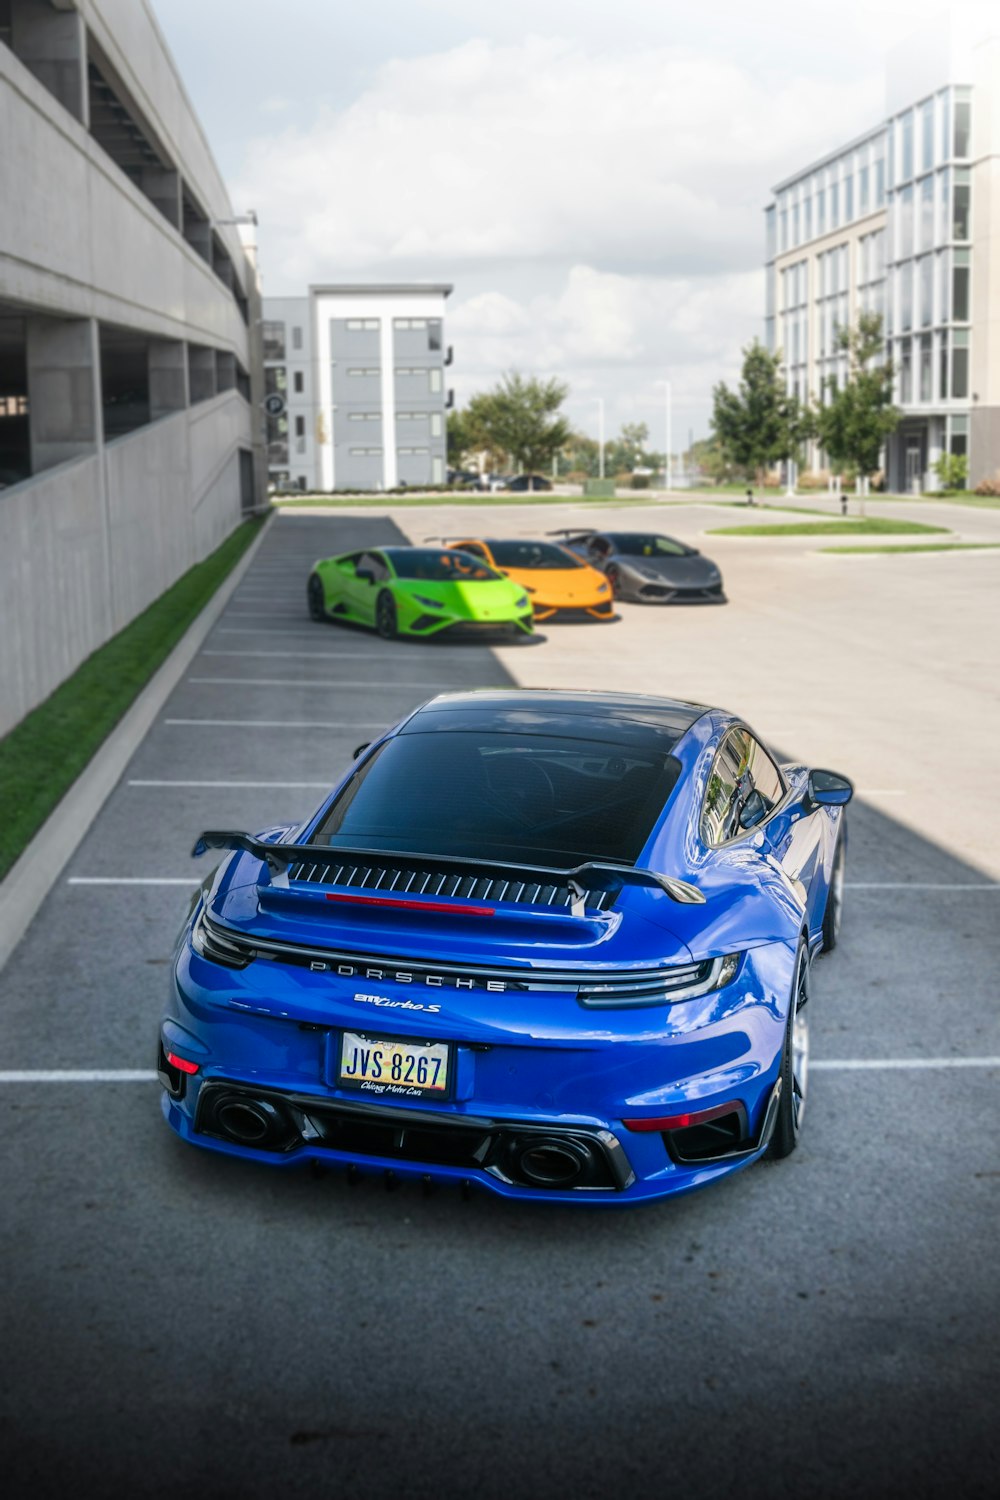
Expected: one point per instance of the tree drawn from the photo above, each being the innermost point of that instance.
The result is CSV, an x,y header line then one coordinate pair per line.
x,y
760,424
858,416
953,470
521,418
461,440
628,450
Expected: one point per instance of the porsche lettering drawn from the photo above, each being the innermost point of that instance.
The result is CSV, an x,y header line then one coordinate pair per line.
x,y
409,976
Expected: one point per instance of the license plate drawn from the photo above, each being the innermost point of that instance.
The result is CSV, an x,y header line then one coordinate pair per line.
x,y
388,1065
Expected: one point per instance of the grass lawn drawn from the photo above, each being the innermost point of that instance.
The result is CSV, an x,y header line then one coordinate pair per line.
x,y
862,526
922,547
43,755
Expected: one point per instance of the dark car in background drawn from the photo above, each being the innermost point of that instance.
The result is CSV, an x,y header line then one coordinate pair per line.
x,y
648,568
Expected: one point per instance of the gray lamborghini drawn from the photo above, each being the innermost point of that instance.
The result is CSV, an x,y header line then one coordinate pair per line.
x,y
647,568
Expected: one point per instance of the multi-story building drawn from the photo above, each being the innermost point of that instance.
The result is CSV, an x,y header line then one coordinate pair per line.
x,y
904,221
130,374
355,380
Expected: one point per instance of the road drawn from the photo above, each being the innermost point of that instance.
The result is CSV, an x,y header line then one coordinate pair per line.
x,y
179,1323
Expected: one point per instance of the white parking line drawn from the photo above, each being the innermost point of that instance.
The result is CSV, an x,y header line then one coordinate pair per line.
x,y
920,885
276,785
373,655
79,1075
310,682
898,1064
131,880
347,729
829,1065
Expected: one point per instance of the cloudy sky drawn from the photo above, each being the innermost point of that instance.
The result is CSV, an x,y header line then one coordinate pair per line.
x,y
590,174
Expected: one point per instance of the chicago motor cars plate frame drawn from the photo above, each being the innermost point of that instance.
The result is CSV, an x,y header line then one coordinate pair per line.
x,y
395,1067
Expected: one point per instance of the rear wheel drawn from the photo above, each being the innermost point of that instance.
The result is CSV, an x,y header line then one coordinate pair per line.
x,y
316,597
386,622
834,899
794,1064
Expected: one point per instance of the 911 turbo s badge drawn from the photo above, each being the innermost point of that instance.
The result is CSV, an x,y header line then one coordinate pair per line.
x,y
385,1003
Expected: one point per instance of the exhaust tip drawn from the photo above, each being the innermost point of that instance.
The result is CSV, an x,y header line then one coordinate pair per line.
x,y
551,1163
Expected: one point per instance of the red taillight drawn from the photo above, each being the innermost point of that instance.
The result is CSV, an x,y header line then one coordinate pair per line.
x,y
181,1063
681,1122
449,906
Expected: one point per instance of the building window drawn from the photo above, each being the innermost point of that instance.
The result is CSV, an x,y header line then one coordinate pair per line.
x,y
365,452
926,393
409,323
960,205
927,135
355,372
436,428
925,232
925,281
906,297
960,363
362,325
274,340
434,333
943,369
298,383
904,223
906,147
863,190
963,126
301,481
363,416
434,381
944,115
300,426
905,373
296,338
879,182
960,287
275,380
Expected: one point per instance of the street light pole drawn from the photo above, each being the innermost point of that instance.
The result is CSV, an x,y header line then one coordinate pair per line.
x,y
600,434
668,465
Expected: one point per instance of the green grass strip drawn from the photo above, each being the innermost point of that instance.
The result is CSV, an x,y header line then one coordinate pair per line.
x,y
863,526
43,755
921,547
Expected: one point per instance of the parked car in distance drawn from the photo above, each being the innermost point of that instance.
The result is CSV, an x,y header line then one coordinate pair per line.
x,y
519,482
647,568
559,585
417,591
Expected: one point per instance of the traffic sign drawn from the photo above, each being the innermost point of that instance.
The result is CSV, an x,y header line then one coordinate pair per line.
x,y
274,404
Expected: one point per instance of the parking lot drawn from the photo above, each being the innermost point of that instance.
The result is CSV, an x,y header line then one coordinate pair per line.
x,y
175,1321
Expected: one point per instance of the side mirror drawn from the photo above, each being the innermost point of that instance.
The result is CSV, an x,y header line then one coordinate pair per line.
x,y
827,789
365,573
753,810
360,749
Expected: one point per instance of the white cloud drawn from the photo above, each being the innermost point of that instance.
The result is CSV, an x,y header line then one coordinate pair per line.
x,y
600,214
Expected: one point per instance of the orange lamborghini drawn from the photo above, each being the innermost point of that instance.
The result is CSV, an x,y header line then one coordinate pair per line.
x,y
559,585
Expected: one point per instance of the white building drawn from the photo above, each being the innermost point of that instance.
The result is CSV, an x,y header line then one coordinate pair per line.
x,y
129,348
355,375
904,221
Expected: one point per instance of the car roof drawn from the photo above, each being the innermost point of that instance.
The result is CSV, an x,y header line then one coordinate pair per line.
x,y
618,718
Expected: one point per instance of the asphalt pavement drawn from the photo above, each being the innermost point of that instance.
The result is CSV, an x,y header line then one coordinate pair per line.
x,y
179,1323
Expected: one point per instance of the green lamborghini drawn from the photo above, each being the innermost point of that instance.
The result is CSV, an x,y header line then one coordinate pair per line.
x,y
417,591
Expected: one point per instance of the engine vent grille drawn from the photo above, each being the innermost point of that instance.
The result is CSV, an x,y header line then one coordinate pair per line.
x,y
408,881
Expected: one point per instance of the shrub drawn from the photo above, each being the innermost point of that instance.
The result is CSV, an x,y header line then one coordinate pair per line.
x,y
989,486
952,469
640,481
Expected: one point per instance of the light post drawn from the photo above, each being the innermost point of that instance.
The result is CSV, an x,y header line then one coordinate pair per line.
x,y
668,466
600,435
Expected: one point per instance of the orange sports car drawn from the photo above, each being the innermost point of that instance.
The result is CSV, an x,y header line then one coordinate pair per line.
x,y
559,585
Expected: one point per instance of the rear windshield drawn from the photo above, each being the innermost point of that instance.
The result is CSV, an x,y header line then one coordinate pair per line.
x,y
536,799
449,566
639,544
531,555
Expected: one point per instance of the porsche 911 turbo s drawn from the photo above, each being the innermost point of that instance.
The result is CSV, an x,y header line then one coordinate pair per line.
x,y
646,568
556,945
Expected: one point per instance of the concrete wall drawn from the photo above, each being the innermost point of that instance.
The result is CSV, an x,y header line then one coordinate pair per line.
x,y
87,546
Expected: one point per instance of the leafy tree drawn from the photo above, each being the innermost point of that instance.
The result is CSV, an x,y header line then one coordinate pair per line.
x,y
858,416
953,470
461,440
707,458
759,424
628,450
521,418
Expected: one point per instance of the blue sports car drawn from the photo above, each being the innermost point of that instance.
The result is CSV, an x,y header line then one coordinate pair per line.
x,y
552,944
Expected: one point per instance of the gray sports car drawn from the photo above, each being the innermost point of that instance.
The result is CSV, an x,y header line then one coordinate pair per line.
x,y
647,568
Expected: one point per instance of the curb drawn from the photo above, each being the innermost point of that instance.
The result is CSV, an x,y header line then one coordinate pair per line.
x,y
29,881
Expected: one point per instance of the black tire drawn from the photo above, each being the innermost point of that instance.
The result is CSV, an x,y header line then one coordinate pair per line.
x,y
794,1064
834,898
386,621
316,597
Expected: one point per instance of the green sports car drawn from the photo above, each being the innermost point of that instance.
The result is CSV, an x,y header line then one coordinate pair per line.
x,y
417,591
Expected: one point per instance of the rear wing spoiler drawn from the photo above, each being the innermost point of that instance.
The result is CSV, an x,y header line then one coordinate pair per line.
x,y
592,876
